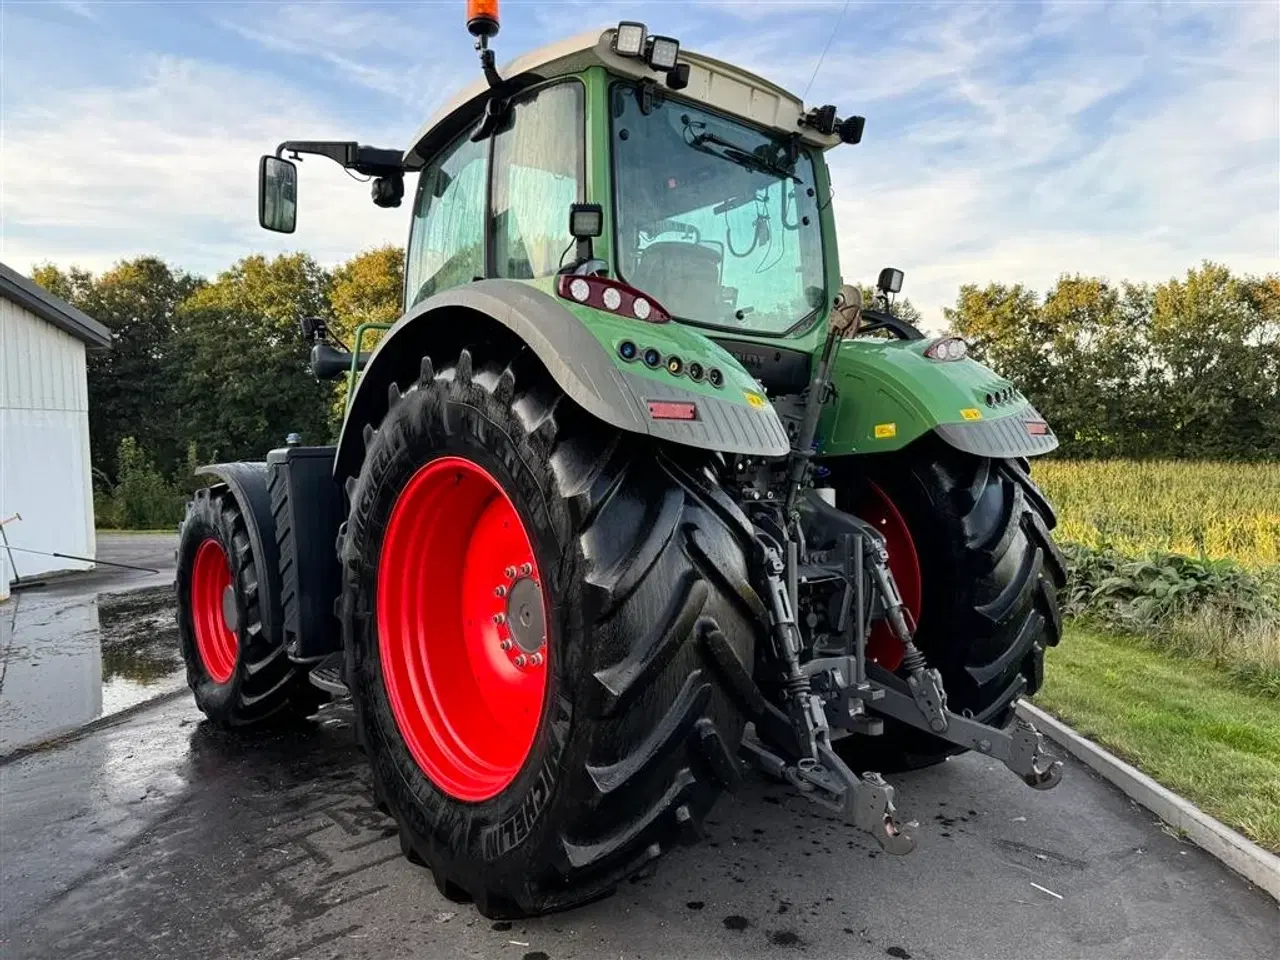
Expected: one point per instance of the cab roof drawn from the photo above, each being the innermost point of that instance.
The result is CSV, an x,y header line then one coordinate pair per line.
x,y
721,86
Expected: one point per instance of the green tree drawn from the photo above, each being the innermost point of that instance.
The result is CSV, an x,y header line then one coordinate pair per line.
x,y
367,289
1215,337
130,385
244,383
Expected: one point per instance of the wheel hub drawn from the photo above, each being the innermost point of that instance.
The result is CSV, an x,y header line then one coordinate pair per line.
x,y
229,613
525,617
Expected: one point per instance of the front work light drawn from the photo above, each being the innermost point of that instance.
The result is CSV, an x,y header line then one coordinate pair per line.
x,y
629,39
663,52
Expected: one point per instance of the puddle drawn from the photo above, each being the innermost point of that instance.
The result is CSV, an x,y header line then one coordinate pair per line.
x,y
67,659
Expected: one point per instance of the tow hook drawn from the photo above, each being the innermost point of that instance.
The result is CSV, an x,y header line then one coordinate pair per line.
x,y
866,801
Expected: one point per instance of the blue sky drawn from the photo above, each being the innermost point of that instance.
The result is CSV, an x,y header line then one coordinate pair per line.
x,y
1004,141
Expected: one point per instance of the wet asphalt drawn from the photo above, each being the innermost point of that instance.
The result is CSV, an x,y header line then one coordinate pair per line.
x,y
79,648
152,835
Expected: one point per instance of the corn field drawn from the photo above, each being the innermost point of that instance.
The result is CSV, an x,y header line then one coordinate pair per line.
x,y
1184,556
1217,510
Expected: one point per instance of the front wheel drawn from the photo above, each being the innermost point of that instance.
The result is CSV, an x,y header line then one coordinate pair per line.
x,y
525,594
238,670
970,548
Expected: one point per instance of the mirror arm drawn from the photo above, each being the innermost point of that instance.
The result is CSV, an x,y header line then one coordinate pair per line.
x,y
370,161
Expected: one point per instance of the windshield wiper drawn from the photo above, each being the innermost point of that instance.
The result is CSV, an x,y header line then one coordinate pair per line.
x,y
738,154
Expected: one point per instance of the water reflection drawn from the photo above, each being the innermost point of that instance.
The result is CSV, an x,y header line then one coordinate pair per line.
x,y
68,658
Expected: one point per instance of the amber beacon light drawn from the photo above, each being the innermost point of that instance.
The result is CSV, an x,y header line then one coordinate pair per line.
x,y
482,17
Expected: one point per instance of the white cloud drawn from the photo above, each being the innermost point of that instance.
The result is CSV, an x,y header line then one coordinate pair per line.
x,y
1004,142
168,165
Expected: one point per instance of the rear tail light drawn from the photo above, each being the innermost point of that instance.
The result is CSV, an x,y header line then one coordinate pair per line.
x,y
948,348
672,410
1037,428
613,296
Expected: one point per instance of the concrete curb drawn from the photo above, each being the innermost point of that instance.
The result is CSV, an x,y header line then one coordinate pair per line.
x,y
1258,866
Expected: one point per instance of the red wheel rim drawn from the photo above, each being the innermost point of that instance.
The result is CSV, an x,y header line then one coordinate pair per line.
x,y
216,642
904,563
462,628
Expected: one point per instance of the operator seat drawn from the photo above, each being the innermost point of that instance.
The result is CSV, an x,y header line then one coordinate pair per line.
x,y
683,277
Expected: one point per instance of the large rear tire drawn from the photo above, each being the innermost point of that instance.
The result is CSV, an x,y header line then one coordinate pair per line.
x,y
987,583
536,786
240,674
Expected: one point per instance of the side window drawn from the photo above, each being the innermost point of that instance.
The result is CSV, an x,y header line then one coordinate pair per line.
x,y
446,242
538,168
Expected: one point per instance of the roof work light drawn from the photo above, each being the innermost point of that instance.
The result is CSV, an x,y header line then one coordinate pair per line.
x,y
629,39
662,52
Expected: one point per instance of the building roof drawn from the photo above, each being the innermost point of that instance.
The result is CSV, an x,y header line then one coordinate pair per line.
x,y
31,296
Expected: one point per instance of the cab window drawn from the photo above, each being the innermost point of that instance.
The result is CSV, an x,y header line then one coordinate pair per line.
x,y
538,171
446,240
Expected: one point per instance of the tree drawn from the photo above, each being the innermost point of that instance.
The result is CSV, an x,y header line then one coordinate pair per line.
x,y
367,289
130,385
244,381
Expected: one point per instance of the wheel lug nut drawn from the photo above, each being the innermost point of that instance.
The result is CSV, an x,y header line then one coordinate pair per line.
x,y
536,660
499,618
506,644
526,568
500,591
510,573
520,660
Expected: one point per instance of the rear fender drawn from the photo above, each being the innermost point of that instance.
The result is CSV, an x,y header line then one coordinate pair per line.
x,y
577,347
889,394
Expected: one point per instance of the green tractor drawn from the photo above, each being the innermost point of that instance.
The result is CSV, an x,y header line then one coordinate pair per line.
x,y
635,495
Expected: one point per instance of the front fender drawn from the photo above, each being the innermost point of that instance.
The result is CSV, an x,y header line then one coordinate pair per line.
x,y
889,394
578,348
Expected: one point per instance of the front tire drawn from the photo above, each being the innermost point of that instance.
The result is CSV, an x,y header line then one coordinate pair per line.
x,y
541,793
986,581
240,674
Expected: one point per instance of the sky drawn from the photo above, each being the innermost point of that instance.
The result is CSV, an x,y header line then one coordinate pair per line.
x,y
1010,141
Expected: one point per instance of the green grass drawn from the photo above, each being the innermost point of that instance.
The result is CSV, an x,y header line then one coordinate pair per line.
x,y
1186,724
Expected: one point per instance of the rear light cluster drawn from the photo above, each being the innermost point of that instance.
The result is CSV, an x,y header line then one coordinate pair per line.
x,y
948,348
612,295
652,358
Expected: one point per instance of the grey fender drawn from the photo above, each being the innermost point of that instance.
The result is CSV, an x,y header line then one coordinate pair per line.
x,y
572,356
247,482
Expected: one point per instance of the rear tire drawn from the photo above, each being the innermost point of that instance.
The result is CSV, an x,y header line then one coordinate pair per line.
x,y
989,580
239,673
636,556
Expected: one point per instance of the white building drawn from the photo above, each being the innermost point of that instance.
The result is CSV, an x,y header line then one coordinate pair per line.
x,y
44,429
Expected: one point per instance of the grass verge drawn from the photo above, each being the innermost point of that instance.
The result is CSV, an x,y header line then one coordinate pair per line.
x,y
1186,724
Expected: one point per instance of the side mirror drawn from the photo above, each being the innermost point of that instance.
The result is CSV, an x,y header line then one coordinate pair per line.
x,y
277,194
890,280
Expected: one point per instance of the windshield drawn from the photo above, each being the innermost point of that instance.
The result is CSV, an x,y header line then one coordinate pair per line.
x,y
713,218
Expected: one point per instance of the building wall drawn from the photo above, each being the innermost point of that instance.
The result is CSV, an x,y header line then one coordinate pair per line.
x,y
44,443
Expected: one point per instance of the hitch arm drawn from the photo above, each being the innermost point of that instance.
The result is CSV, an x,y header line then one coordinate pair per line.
x,y
1019,746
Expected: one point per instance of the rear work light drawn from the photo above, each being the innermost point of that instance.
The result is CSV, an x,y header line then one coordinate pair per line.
x,y
613,296
948,348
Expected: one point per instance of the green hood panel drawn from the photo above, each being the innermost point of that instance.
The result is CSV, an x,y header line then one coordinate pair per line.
x,y
888,394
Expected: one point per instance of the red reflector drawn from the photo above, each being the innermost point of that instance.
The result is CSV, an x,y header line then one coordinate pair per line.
x,y
670,410
1037,428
